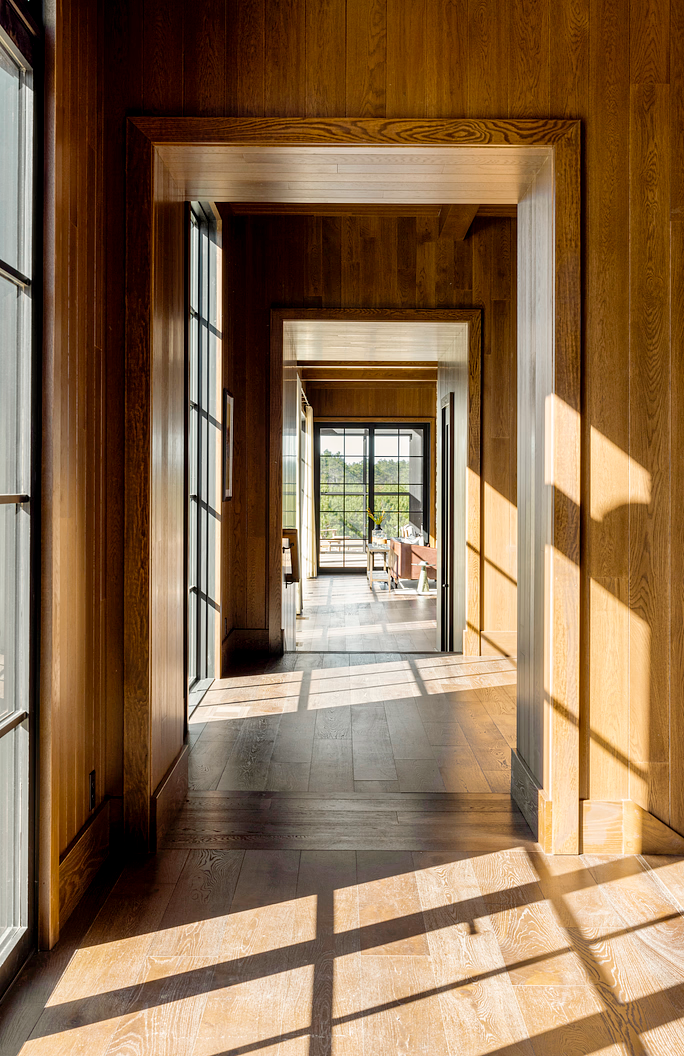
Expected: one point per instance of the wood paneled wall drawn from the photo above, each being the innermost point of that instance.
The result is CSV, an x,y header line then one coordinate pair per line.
x,y
359,262
615,64
81,700
386,399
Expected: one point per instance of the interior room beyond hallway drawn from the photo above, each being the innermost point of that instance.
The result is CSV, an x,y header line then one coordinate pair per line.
x,y
344,613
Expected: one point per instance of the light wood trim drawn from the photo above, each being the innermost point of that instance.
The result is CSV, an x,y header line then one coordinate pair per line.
x,y
373,418
330,209
82,861
625,827
473,491
169,797
362,365
407,376
562,660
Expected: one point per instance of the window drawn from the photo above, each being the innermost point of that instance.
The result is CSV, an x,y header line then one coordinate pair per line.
x,y
16,352
203,449
381,467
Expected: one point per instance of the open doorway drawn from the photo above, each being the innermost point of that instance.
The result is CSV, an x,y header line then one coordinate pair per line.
x,y
539,172
394,499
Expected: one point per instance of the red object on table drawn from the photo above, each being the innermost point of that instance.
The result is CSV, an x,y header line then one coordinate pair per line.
x,y
409,557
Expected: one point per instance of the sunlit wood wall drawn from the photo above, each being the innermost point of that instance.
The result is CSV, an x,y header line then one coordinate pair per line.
x,y
615,64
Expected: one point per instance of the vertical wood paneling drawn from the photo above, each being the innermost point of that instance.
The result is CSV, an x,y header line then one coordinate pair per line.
x,y
204,57
325,58
472,57
162,58
167,482
245,34
649,446
406,65
529,67
605,534
366,58
677,111
489,44
73,643
285,58
676,491
446,87
569,58
649,43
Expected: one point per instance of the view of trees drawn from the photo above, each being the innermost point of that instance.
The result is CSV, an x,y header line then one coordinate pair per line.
x,y
344,494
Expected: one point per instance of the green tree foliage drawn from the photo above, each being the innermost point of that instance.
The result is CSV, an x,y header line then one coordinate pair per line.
x,y
344,495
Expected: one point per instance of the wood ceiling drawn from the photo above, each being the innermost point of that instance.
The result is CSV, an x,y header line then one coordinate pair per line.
x,y
379,174
373,341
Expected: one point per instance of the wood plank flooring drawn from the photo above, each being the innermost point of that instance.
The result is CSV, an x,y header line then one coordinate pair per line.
x,y
342,614
224,952
365,722
345,916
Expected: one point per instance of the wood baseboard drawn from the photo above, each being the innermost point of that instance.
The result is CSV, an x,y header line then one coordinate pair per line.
x,y
533,802
623,827
498,643
169,797
82,860
243,640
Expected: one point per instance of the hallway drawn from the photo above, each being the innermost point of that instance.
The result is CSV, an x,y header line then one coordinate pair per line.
x,y
342,614
334,723
320,893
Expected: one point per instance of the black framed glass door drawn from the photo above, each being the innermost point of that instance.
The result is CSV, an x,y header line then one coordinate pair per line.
x,y
383,467
204,435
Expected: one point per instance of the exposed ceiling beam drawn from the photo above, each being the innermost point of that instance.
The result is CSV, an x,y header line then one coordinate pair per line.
x,y
455,221
344,374
511,211
328,209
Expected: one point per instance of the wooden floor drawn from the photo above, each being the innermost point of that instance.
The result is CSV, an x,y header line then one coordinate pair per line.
x,y
342,614
365,723
372,922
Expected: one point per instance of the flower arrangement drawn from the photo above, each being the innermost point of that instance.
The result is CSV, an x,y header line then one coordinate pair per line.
x,y
377,520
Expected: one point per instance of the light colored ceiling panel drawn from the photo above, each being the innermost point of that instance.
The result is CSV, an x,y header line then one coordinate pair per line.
x,y
373,341
448,175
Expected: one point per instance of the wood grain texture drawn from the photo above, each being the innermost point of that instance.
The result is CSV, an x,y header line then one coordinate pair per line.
x,y
82,861
594,50
676,818
366,57
649,515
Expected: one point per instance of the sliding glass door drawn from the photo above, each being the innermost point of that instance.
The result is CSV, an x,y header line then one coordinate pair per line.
x,y
377,466
16,407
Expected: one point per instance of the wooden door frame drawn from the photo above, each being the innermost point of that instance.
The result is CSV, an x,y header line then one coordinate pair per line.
x,y
470,316
550,799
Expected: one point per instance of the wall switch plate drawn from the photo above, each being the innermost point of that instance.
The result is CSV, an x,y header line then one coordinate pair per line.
x,y
92,790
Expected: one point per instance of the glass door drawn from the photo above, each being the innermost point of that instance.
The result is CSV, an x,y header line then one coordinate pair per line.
x,y
204,435
16,405
381,467
343,467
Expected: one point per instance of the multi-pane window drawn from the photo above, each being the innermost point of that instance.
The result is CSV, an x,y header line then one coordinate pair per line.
x,y
381,467
204,447
398,477
16,350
